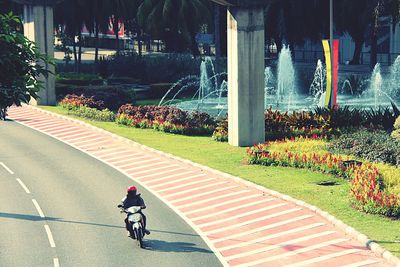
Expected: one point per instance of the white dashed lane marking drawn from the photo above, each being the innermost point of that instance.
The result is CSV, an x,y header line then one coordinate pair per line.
x,y
23,186
50,236
7,169
41,214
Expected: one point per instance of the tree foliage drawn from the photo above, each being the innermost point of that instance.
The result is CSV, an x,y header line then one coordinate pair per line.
x,y
19,67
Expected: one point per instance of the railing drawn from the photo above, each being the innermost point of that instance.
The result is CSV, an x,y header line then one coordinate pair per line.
x,y
311,56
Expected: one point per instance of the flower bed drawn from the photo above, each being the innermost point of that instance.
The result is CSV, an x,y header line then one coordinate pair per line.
x,y
166,119
87,107
368,189
321,122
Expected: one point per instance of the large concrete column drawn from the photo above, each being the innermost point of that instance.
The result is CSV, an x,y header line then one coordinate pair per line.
x,y
38,27
246,44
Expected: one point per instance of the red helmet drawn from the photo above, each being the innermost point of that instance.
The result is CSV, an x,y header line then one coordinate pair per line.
x,y
132,189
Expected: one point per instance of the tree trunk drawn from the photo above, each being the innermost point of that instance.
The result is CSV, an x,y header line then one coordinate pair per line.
x,y
115,29
194,46
217,32
374,49
75,54
357,51
139,40
96,43
79,52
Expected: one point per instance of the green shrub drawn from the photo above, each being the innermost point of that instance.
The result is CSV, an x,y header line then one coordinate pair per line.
x,y
72,78
158,90
112,96
92,113
396,132
375,146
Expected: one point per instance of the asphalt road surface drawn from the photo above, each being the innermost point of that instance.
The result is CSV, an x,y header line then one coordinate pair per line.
x,y
58,208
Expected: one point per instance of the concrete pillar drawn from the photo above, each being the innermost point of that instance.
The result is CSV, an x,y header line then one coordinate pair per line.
x,y
246,43
38,27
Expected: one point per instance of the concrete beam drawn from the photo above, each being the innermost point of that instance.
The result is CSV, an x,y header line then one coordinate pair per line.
x,y
246,44
38,27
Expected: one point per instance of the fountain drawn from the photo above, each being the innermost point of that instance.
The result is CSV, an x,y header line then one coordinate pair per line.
x,y
394,79
376,84
269,83
281,92
286,78
317,88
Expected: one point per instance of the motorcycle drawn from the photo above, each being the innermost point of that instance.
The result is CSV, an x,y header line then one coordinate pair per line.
x,y
135,220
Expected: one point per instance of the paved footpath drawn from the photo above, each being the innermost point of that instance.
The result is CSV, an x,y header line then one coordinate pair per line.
x,y
242,224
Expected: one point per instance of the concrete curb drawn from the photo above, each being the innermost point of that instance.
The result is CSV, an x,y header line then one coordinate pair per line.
x,y
370,244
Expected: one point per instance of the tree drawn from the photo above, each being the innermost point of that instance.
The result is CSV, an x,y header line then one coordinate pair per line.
x,y
70,16
20,65
292,21
175,21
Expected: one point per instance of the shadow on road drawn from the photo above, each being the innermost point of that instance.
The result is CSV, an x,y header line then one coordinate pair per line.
x,y
38,218
164,246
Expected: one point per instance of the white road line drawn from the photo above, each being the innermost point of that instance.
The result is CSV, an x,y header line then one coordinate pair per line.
x,y
325,257
43,122
143,167
141,162
297,251
262,228
115,150
279,245
56,262
241,215
233,208
61,125
163,172
131,161
182,179
360,263
259,219
265,238
169,176
49,236
228,194
182,192
183,185
119,156
94,145
5,167
205,193
66,134
159,168
122,159
23,186
93,141
80,137
218,212
38,208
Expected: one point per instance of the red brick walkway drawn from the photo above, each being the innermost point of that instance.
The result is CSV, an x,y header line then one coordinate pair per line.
x,y
242,224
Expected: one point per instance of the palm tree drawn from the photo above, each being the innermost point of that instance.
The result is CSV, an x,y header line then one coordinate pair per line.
x,y
175,20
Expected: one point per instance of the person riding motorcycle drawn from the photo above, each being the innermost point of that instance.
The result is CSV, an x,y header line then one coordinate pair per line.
x,y
133,199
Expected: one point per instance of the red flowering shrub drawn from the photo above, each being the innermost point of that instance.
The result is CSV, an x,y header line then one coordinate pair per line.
x,y
74,101
167,119
369,195
367,186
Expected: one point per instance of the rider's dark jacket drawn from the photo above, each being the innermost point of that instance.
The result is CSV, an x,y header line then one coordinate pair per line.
x,y
133,200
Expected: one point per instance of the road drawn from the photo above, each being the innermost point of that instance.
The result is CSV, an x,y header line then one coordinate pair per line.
x,y
58,207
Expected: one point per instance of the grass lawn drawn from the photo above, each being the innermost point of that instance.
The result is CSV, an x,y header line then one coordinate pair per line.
x,y
298,183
